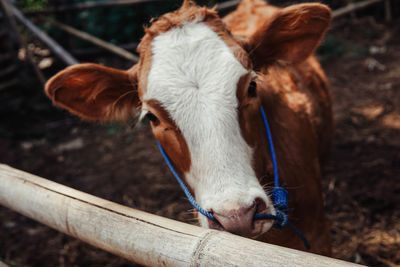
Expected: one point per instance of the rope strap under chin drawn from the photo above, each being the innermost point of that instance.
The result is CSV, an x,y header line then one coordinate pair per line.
x,y
279,195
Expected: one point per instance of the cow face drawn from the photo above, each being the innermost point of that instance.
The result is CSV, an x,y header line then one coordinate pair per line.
x,y
196,84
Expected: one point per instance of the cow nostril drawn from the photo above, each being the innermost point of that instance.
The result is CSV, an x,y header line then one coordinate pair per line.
x,y
261,206
215,224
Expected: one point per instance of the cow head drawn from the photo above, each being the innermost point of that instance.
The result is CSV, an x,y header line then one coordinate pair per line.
x,y
197,84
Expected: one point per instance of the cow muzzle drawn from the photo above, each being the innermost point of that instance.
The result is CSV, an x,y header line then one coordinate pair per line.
x,y
241,221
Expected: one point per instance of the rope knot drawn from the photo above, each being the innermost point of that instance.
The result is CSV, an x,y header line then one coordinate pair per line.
x,y
279,197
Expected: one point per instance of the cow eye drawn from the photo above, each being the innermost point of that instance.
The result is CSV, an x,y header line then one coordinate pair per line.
x,y
252,91
151,117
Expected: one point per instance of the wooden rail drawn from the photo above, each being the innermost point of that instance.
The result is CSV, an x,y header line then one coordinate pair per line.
x,y
98,50
225,6
353,7
136,235
94,40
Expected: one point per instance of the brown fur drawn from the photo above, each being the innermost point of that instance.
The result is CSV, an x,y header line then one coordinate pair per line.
x,y
298,105
291,86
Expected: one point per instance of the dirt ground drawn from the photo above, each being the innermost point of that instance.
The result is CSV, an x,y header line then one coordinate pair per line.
x,y
122,164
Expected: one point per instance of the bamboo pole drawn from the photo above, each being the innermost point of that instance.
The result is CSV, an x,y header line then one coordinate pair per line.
x,y
90,4
94,40
136,235
54,46
222,7
353,7
98,50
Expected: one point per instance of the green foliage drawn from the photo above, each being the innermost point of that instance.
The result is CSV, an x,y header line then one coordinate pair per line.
x,y
332,47
336,47
32,4
119,25
114,128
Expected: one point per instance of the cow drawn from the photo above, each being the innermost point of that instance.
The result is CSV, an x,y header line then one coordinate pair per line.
x,y
201,81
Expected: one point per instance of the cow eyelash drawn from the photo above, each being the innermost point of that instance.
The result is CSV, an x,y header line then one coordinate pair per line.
x,y
252,90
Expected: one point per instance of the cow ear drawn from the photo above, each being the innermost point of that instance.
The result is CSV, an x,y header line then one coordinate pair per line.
x,y
291,36
95,92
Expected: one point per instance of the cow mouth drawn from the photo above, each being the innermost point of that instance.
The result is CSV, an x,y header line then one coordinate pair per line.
x,y
260,229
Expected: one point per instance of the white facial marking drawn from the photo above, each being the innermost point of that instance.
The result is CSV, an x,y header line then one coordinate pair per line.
x,y
194,75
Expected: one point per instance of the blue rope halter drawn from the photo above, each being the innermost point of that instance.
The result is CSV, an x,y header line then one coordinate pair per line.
x,y
279,194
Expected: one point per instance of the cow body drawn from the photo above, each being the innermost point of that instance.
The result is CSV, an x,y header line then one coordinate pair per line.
x,y
192,82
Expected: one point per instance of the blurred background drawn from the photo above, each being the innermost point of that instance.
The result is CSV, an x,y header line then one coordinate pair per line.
x,y
360,54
